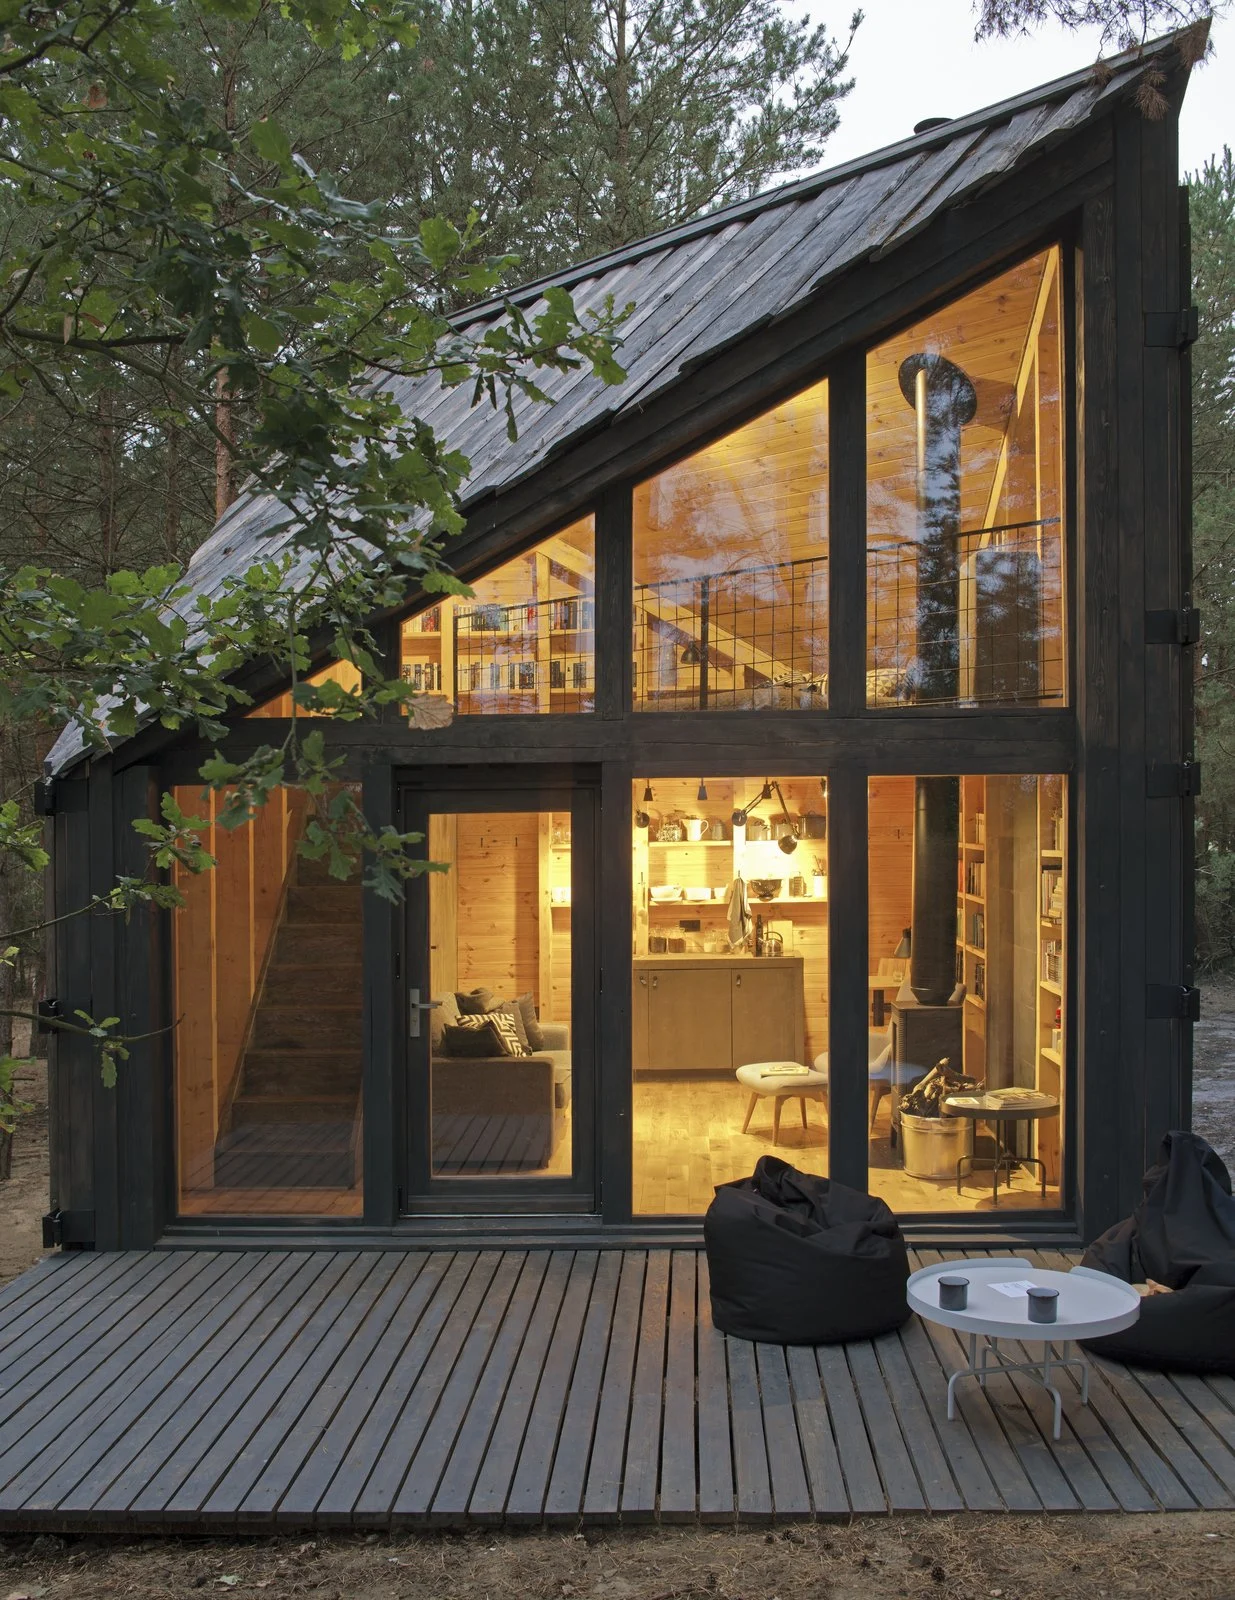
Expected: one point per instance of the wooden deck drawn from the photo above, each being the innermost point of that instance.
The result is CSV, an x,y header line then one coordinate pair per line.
x,y
275,1389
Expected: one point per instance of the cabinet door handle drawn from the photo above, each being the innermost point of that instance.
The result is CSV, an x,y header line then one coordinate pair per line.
x,y
738,979
655,982
643,980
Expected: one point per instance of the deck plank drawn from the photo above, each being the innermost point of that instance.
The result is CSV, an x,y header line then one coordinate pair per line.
x,y
377,1303
232,1391
965,1461
374,1505
449,1505
564,1500
786,1468
526,1501
230,1454
488,1502
819,1453
342,1388
87,1422
929,1459
418,1488
679,1477
432,1299
714,1434
750,1450
862,1480
640,1479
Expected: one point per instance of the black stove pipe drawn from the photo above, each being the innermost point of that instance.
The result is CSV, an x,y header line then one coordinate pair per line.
x,y
944,401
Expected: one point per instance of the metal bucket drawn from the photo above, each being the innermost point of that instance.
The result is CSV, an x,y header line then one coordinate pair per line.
x,y
933,1145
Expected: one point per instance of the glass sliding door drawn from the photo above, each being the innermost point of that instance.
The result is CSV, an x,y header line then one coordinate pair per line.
x,y
495,1046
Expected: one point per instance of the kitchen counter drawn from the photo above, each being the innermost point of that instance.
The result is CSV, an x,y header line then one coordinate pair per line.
x,y
731,957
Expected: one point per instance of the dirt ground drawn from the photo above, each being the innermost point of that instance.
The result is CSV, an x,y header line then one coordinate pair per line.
x,y
1213,1067
955,1558
960,1558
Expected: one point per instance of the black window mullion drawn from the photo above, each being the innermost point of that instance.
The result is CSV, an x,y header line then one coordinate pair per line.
x,y
847,536
847,973
614,602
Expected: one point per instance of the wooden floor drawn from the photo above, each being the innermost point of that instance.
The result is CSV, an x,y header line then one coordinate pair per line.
x,y
688,1138
322,1389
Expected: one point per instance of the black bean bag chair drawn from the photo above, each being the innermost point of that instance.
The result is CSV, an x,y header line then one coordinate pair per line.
x,y
796,1259
1182,1235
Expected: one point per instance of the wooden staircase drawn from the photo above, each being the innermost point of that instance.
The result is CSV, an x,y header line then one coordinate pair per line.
x,y
293,1121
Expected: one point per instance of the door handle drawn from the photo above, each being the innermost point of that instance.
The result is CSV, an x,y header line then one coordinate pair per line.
x,y
415,1005
738,979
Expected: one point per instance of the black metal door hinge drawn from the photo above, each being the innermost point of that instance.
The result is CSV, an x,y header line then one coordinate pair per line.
x,y
49,1008
45,797
1174,780
1172,330
62,1228
1172,1002
1182,627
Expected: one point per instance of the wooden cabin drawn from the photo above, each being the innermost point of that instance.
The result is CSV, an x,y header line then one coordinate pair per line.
x,y
822,715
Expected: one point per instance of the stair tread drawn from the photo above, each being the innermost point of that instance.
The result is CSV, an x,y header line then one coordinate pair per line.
x,y
296,1100
278,1137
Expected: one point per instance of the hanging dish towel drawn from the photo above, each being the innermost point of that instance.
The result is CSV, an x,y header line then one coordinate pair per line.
x,y
739,912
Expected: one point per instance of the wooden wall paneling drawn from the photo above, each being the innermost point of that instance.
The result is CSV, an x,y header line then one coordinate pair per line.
x,y
543,990
269,856
103,1003
1132,1099
143,1080
1170,844
195,1048
498,909
386,959
891,863
443,845
848,942
1098,966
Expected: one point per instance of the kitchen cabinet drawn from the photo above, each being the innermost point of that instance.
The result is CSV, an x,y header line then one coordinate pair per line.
x,y
716,1013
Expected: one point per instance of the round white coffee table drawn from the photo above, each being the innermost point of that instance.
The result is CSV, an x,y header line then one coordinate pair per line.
x,y
1090,1304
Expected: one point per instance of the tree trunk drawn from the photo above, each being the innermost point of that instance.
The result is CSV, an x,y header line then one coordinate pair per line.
x,y
224,421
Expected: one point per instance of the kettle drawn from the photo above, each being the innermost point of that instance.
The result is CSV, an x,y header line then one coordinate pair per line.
x,y
773,944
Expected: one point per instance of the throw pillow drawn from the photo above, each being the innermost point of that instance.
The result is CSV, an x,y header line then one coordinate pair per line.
x,y
510,1008
472,1039
507,1031
474,1002
531,1022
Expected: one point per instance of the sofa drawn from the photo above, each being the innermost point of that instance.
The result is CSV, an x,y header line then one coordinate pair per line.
x,y
496,1114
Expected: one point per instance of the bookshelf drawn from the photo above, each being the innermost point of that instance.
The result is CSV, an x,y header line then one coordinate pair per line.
x,y
972,932
1052,888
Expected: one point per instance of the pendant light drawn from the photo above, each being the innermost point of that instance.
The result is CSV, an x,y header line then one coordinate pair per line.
x,y
703,790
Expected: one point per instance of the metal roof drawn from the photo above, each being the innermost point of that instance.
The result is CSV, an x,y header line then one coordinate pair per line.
x,y
701,285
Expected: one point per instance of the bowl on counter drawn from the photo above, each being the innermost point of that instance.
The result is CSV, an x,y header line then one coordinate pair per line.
x,y
766,888
665,891
698,895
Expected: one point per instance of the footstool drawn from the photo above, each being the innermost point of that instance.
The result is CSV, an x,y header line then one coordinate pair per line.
x,y
763,1078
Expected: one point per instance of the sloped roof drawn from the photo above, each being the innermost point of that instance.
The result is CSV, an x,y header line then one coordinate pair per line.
x,y
699,286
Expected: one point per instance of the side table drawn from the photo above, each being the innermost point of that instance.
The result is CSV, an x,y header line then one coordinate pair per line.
x,y
1090,1304
999,1107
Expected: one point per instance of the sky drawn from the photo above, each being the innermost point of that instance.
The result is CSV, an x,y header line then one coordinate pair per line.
x,y
917,58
